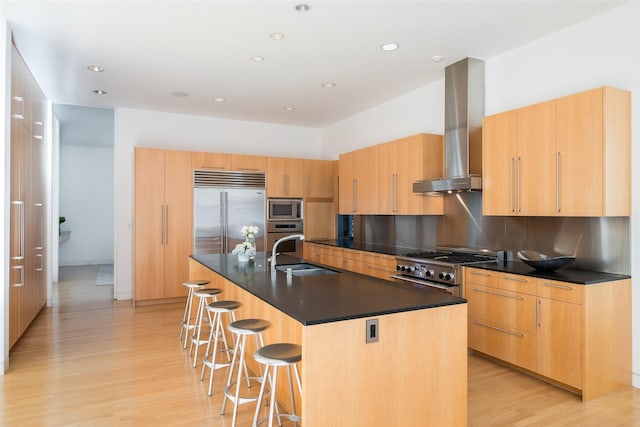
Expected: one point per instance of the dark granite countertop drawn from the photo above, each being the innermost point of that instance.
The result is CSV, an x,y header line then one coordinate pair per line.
x,y
570,275
323,298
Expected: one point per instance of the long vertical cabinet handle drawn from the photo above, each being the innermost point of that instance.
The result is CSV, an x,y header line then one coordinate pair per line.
x,y
511,186
223,236
393,192
354,191
41,267
284,184
538,313
162,225
557,181
518,184
166,224
21,282
20,205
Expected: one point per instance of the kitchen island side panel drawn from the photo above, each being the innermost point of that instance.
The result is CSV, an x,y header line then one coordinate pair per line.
x,y
415,375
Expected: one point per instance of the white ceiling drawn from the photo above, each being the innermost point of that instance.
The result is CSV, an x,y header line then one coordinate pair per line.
x,y
152,48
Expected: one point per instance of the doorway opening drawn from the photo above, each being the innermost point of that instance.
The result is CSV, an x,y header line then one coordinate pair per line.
x,y
83,198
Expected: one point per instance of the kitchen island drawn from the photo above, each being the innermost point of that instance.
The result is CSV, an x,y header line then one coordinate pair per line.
x,y
416,372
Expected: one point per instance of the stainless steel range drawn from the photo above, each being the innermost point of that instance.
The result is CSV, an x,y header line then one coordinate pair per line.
x,y
440,268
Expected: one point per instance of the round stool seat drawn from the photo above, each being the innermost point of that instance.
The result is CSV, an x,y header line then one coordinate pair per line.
x,y
207,292
223,306
248,326
195,283
279,354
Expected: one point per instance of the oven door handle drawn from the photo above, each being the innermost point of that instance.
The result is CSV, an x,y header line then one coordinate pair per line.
x,y
421,282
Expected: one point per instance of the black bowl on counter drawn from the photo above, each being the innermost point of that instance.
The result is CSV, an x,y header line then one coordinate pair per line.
x,y
544,262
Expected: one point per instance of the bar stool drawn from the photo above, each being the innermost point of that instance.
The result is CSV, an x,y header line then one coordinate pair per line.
x,y
186,317
274,356
242,329
203,296
215,334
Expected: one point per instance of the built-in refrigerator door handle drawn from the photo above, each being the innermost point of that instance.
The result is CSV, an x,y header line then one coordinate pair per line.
x,y
162,225
557,181
225,221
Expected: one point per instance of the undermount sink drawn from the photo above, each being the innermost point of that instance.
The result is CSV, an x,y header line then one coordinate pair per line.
x,y
304,269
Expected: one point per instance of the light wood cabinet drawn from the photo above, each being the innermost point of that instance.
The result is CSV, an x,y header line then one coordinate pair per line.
x,y
564,157
560,335
373,264
163,223
285,177
248,163
214,161
319,198
320,177
576,335
348,167
501,322
594,153
27,211
378,180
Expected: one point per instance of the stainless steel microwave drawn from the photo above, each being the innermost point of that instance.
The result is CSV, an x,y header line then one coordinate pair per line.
x,y
284,209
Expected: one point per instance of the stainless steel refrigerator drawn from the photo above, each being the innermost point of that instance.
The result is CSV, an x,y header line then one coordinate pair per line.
x,y
223,203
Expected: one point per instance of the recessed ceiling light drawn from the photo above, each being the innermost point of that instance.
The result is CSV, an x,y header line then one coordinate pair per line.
x,y
95,68
257,58
289,108
436,58
389,46
100,92
180,94
277,36
302,7
218,99
328,84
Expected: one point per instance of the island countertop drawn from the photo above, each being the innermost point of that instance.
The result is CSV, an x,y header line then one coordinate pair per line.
x,y
323,298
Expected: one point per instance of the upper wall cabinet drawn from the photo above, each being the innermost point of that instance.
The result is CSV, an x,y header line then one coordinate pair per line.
x,y
319,179
565,157
285,177
378,180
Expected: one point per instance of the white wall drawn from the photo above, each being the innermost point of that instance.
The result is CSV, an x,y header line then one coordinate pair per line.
x,y
597,52
420,111
137,128
86,201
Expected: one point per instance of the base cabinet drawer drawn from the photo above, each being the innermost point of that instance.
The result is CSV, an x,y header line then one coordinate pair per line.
x,y
504,308
511,345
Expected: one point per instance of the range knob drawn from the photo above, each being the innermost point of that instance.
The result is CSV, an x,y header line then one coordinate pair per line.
x,y
448,276
398,267
423,271
441,275
430,273
410,269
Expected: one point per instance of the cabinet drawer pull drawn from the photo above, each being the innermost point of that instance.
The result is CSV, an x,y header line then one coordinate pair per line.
x,y
506,331
515,279
551,285
498,294
478,273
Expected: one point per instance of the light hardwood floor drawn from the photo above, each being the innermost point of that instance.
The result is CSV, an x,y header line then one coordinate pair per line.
x,y
90,361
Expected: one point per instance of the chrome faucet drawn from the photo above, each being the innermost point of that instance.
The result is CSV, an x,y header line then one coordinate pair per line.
x,y
275,245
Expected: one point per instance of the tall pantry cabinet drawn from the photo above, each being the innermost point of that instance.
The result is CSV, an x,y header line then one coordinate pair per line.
x,y
27,236
163,223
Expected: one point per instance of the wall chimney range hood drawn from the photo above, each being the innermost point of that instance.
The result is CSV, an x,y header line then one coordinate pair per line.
x,y
464,110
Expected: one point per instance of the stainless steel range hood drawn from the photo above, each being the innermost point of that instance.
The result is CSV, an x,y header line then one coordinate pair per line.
x,y
464,110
